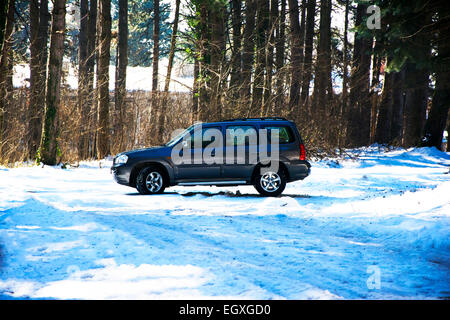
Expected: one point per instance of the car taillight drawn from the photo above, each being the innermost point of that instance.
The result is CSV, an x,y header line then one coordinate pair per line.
x,y
302,152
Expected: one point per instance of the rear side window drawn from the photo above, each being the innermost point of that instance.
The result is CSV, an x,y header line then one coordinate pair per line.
x,y
285,134
241,136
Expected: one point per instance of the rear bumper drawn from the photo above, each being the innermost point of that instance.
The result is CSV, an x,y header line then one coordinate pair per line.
x,y
298,170
121,174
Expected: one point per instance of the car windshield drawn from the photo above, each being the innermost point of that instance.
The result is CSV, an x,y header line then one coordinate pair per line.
x,y
178,137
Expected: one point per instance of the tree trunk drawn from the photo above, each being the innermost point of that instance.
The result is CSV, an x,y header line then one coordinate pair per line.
x,y
415,105
296,56
49,149
121,71
35,48
279,59
155,62
103,148
262,23
399,99
204,63
448,130
248,54
5,73
309,41
236,54
358,126
82,74
383,130
155,110
39,17
437,118
195,91
217,26
322,83
89,115
173,42
267,93
345,62
3,14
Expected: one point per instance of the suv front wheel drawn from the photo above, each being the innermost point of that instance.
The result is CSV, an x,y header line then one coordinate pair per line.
x,y
270,184
150,181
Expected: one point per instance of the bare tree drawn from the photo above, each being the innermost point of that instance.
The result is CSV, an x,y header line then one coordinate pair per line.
x,y
322,83
89,115
155,109
296,55
49,145
236,54
5,68
82,74
309,41
3,14
345,61
358,127
279,58
217,27
173,42
121,71
103,148
270,47
248,52
262,23
39,18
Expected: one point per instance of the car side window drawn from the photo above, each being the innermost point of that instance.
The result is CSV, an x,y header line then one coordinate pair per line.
x,y
241,136
204,139
285,134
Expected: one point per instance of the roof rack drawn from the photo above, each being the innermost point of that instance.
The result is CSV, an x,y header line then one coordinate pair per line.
x,y
257,119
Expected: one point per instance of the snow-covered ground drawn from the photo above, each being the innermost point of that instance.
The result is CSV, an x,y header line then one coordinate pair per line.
x,y
76,234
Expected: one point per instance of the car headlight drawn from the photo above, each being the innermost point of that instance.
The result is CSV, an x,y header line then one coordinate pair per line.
x,y
121,159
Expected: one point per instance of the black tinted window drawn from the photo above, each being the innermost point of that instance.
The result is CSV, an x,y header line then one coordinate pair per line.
x,y
285,134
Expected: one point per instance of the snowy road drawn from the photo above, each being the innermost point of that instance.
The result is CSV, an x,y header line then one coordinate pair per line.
x,y
77,234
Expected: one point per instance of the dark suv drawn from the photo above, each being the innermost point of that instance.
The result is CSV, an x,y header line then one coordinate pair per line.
x,y
264,152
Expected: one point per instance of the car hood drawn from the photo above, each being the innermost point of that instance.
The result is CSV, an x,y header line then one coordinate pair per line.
x,y
147,152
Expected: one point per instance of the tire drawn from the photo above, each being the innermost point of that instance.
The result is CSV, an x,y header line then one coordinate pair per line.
x,y
270,184
150,180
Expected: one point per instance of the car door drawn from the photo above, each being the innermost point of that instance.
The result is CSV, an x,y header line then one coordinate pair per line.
x,y
241,154
200,167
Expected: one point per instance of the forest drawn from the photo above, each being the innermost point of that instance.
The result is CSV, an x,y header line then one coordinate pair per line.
x,y
349,73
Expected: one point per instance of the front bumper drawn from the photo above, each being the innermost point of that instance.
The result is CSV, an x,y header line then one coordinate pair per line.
x,y
121,174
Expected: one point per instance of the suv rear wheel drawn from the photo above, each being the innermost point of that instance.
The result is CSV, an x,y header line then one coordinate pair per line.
x,y
150,180
270,184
